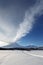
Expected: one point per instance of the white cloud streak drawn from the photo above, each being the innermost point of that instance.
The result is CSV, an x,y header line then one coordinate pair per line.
x,y
10,32
29,19
6,26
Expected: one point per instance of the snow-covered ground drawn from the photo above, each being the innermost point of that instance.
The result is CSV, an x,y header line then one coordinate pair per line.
x,y
21,57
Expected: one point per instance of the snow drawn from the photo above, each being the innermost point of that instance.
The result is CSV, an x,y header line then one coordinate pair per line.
x,y
17,57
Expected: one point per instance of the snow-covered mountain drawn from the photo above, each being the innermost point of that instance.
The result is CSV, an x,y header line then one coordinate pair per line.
x,y
16,45
31,46
13,45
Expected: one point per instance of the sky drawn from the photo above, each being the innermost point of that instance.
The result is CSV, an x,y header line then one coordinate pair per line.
x,y
21,21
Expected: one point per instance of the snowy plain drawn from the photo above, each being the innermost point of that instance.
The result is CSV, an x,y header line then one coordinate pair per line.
x,y
16,57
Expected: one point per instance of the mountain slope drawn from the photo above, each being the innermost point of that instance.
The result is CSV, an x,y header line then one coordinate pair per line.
x,y
13,45
31,46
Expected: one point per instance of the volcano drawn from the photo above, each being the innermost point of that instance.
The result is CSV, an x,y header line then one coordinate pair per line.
x,y
13,45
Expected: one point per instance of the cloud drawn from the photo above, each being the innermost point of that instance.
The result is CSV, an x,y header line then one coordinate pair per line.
x,y
6,26
14,24
10,17
3,43
29,20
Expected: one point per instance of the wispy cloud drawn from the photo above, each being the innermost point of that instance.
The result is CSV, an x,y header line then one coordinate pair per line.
x,y
12,25
29,20
6,26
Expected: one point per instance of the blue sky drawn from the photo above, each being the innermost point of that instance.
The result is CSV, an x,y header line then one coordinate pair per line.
x,y
21,21
35,37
